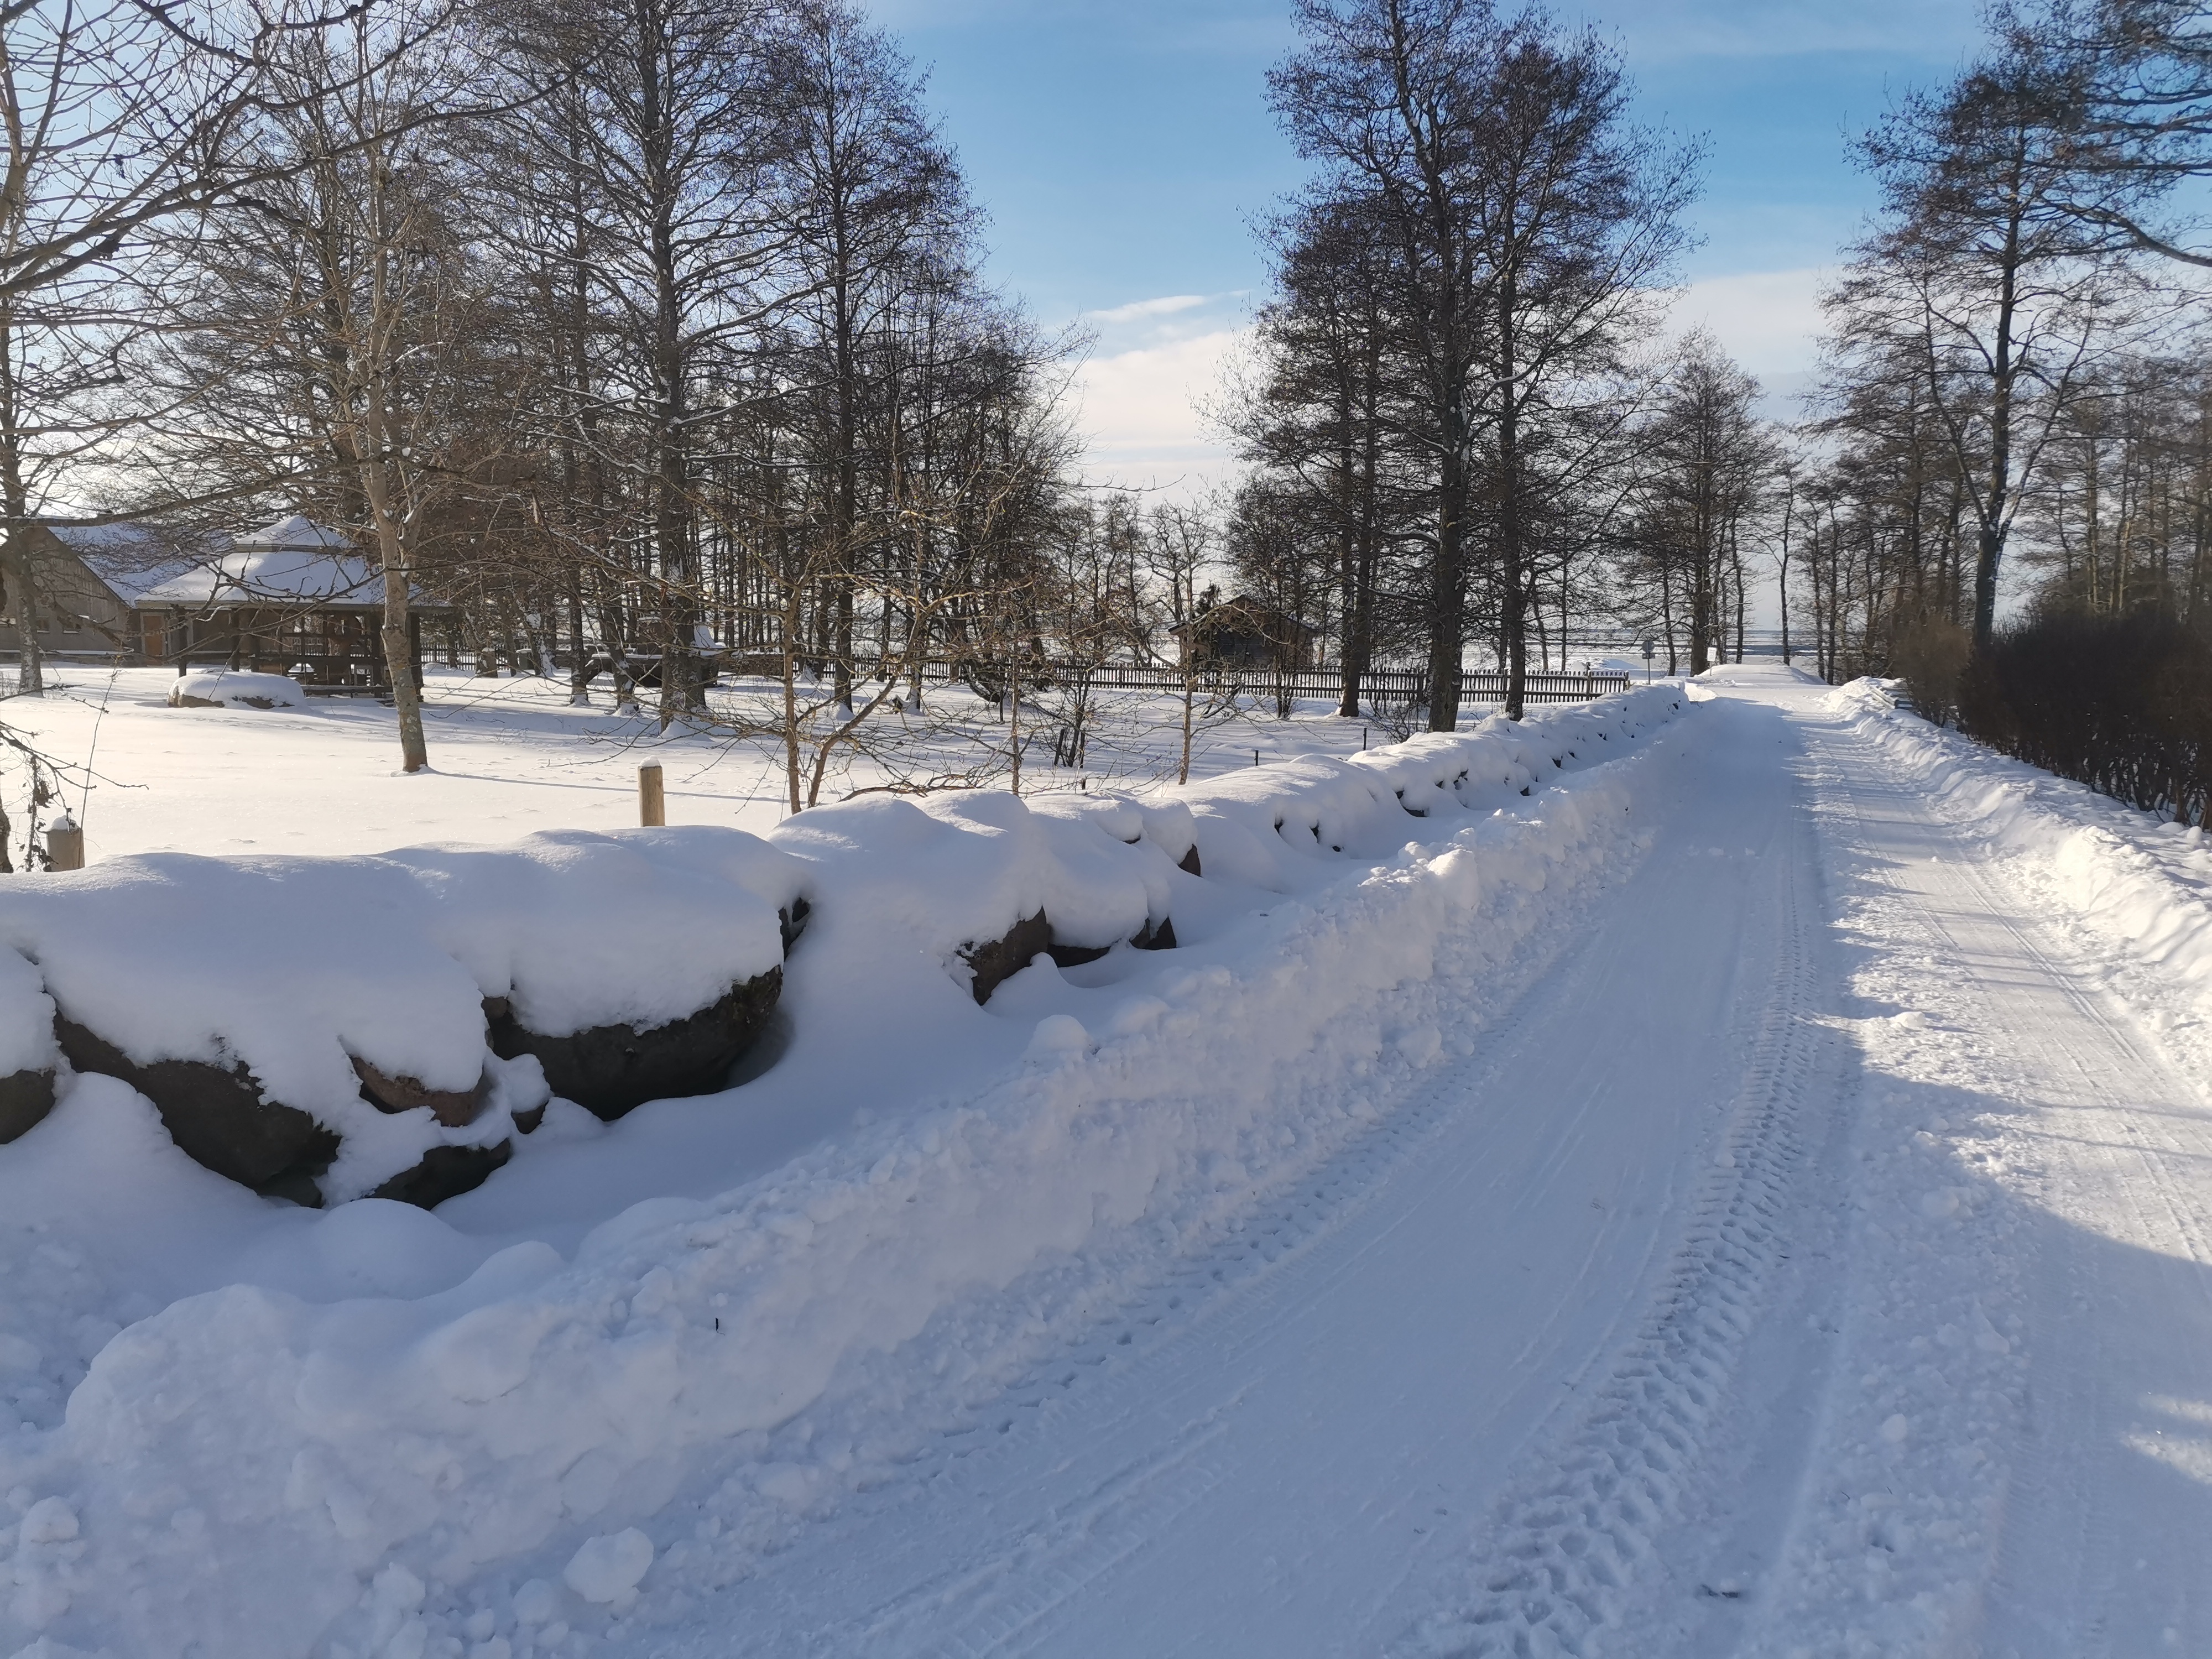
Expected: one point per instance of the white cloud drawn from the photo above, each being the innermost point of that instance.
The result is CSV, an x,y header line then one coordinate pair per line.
x,y
1767,320
1139,412
1139,311
1137,407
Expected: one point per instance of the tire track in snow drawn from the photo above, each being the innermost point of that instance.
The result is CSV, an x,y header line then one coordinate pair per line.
x,y
1565,1555
2062,1139
1235,1291
1240,1284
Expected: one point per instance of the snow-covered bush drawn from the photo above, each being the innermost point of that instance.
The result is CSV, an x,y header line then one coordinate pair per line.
x,y
230,688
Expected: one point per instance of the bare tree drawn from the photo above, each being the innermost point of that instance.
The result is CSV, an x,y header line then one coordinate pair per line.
x,y
1981,278
1704,466
1528,223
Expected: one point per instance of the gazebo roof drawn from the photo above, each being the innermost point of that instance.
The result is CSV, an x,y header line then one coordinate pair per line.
x,y
295,564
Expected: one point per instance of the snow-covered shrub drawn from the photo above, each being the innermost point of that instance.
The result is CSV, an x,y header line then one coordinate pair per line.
x,y
230,688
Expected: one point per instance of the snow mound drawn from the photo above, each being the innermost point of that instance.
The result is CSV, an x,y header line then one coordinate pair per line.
x,y
224,687
607,1569
1257,825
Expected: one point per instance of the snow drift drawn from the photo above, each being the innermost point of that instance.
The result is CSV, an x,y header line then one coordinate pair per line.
x,y
2141,886
380,1434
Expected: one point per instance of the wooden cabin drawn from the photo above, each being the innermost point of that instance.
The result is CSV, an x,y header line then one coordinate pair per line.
x,y
1243,632
89,577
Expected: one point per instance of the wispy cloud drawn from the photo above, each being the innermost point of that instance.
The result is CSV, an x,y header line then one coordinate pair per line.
x,y
1673,31
1767,320
1139,311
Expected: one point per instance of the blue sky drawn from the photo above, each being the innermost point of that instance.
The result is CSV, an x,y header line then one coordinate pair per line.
x,y
1123,150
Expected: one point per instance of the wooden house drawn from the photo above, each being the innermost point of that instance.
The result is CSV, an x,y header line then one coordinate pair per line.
x,y
88,578
1243,632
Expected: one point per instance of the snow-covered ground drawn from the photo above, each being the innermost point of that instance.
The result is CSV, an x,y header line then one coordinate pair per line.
x,y
1752,1194
510,756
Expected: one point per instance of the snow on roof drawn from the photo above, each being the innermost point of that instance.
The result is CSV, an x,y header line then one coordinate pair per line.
x,y
293,562
131,558
296,534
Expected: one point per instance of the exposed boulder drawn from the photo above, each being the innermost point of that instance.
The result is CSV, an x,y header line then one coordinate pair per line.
x,y
610,1069
218,1116
454,1108
1157,936
1189,861
446,1172
1152,936
1074,956
791,921
992,962
24,1099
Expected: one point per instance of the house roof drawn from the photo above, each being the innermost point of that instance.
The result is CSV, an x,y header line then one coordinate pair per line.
x,y
1245,606
293,563
129,558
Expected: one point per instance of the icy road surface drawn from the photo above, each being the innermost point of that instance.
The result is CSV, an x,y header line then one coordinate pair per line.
x,y
1817,1259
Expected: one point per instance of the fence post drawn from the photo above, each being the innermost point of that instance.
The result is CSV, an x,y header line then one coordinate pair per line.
x,y
65,844
652,803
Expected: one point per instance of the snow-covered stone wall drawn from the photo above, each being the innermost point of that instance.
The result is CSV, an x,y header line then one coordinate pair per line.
x,y
316,1027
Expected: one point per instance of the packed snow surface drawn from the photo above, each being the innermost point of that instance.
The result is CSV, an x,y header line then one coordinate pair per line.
x,y
1708,1173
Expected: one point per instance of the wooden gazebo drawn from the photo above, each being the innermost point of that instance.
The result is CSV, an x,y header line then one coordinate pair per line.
x,y
292,598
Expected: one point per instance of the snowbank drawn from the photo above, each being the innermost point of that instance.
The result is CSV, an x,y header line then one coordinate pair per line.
x,y
422,1464
2141,886
1254,825
223,688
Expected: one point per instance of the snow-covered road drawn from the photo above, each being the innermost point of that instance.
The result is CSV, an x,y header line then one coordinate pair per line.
x,y
1817,1259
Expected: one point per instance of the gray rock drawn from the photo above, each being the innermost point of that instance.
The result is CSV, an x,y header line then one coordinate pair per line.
x,y
1074,956
610,1069
445,1172
1160,937
24,1099
454,1108
220,1118
994,960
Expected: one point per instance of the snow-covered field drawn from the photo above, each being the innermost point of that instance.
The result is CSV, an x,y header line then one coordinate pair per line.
x,y
508,756
1751,1194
